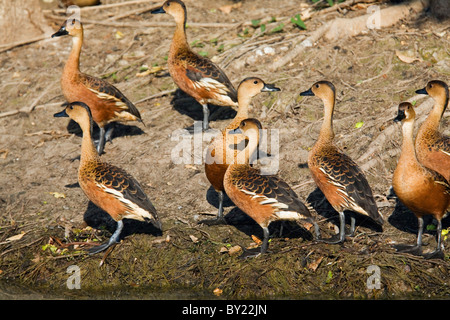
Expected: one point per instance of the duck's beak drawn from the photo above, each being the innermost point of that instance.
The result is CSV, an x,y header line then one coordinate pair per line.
x,y
422,91
61,114
159,10
269,88
400,116
307,93
61,32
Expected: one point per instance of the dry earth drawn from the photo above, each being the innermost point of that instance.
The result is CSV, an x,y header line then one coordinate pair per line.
x,y
43,211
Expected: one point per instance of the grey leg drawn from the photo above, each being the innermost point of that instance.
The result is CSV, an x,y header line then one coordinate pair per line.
x,y
205,117
113,240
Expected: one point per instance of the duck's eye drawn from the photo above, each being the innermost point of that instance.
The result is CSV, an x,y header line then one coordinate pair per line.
x,y
255,82
317,85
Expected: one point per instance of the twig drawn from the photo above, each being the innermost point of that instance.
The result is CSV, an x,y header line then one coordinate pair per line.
x,y
9,46
34,103
104,6
157,95
132,12
27,109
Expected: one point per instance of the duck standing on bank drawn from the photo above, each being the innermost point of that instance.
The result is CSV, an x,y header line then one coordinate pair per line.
x,y
106,102
423,191
432,147
265,198
223,148
336,174
109,187
197,76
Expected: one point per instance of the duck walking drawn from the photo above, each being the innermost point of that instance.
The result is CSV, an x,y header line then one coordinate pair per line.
x,y
197,76
106,102
110,188
265,198
432,147
224,147
423,191
336,174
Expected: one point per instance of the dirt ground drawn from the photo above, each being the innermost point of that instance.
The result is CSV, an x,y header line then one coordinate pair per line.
x,y
46,220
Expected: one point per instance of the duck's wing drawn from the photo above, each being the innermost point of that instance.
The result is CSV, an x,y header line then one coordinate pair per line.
x,y
205,74
106,91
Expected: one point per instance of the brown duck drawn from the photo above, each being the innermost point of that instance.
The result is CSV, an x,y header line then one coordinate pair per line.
x,y
195,75
109,187
106,102
336,174
423,191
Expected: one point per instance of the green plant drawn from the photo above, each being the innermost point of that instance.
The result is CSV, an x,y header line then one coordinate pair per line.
x,y
297,20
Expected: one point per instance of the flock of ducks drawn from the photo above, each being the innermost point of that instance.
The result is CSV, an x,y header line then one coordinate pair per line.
x,y
420,180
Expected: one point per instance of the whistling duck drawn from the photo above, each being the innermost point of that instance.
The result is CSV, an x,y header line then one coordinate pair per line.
x,y
432,147
222,150
192,73
336,174
423,191
107,103
107,186
265,198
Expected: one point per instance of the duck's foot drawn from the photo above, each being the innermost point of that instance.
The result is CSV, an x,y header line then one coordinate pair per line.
x,y
436,254
251,253
214,222
408,248
332,240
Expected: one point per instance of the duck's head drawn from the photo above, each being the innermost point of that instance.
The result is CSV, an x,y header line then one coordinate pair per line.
x,y
71,27
251,86
405,112
79,112
247,126
435,89
176,8
325,90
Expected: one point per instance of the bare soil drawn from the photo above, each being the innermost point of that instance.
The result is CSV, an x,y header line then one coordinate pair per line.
x,y
46,220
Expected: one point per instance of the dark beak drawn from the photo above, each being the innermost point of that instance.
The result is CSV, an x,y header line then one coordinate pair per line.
x,y
159,10
422,91
400,116
235,131
60,32
269,88
61,114
307,93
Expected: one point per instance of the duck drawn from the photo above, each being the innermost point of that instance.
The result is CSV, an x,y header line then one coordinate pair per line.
x,y
107,103
422,190
265,198
223,148
432,147
109,187
339,178
195,75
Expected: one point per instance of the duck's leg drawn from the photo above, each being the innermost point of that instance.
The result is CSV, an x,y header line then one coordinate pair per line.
x,y
337,238
101,141
220,219
413,249
352,226
251,253
109,132
205,123
112,241
438,253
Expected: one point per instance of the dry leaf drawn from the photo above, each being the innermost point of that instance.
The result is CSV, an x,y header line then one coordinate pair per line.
x,y
223,250
16,237
58,195
234,250
315,264
193,238
227,9
217,291
257,240
406,56
4,153
154,69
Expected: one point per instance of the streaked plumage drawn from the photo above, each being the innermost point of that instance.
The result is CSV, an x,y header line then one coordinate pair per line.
x,y
423,191
224,147
264,198
107,103
195,75
336,174
109,187
433,147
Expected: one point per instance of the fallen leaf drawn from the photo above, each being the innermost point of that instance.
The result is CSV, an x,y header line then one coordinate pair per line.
x,y
58,195
223,250
227,9
16,237
234,250
193,238
359,124
315,264
217,291
118,35
406,56
256,240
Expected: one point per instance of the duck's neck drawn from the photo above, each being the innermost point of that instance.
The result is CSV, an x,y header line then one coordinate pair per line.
x,y
408,154
179,41
242,113
243,157
88,150
434,118
326,131
73,62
